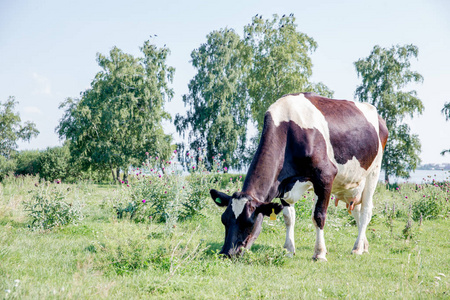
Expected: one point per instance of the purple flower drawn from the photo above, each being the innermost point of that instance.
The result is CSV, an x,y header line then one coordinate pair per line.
x,y
143,201
225,169
193,167
175,151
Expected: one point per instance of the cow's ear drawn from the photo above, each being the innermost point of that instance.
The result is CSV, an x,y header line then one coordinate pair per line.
x,y
221,199
267,208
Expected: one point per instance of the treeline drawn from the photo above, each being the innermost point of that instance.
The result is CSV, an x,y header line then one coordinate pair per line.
x,y
52,164
118,120
444,166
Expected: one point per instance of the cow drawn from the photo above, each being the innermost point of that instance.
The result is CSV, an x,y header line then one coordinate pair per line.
x,y
313,143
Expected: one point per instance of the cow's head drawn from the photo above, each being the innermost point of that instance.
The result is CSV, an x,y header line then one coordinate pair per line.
x,y
242,219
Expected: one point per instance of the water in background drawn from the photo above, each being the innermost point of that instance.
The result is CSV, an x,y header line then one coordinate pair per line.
x,y
420,176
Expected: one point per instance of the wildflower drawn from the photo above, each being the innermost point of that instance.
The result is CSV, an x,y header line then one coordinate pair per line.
x,y
175,151
406,197
128,185
150,217
143,201
187,153
159,175
193,167
225,169
146,153
165,192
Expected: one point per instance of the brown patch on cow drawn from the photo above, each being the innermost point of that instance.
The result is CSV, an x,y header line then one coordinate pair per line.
x,y
351,134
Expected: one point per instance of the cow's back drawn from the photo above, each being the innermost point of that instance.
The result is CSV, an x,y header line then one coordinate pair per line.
x,y
350,130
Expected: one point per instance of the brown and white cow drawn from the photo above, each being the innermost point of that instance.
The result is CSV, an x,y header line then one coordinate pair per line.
x,y
308,142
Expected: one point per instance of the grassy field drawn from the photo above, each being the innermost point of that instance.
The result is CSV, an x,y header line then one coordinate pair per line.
x,y
100,256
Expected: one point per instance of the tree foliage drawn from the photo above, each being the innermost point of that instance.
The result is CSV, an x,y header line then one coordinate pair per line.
x,y
11,129
118,119
218,112
281,63
446,111
385,73
238,79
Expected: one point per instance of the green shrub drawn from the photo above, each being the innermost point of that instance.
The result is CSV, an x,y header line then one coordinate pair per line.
x,y
48,208
154,192
7,166
54,163
27,162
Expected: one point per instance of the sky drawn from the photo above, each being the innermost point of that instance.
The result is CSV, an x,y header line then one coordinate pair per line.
x,y
48,49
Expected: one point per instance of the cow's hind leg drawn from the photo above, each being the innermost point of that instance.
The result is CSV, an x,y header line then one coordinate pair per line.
x,y
289,221
356,214
365,214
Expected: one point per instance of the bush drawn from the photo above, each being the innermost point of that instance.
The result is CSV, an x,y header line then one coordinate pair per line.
x,y
7,166
154,192
27,162
54,163
48,208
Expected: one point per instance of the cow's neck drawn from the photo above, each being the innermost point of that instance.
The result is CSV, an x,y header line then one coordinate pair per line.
x,y
261,181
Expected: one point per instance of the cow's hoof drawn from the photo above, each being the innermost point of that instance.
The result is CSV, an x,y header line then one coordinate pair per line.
x,y
357,251
319,258
290,254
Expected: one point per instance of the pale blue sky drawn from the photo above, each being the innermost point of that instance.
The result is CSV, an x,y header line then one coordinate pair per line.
x,y
48,48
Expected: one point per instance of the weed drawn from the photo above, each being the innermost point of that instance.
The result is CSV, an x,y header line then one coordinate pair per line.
x,y
48,208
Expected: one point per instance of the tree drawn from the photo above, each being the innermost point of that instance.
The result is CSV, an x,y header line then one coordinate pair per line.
x,y
218,110
385,73
280,63
119,118
11,130
446,111
238,79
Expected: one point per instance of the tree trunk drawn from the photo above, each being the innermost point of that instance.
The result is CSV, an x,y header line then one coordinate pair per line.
x,y
113,175
118,174
386,177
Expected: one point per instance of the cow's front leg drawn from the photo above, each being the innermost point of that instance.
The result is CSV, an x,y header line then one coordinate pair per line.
x,y
319,215
289,221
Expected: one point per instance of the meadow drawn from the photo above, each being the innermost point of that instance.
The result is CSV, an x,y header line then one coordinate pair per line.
x,y
97,241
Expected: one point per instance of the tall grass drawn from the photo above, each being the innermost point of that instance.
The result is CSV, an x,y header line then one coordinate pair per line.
x,y
103,256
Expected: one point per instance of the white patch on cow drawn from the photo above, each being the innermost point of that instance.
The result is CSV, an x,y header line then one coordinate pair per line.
x,y
237,205
297,191
299,109
370,112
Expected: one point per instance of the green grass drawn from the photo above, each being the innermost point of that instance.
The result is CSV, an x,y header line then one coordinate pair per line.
x,y
102,257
